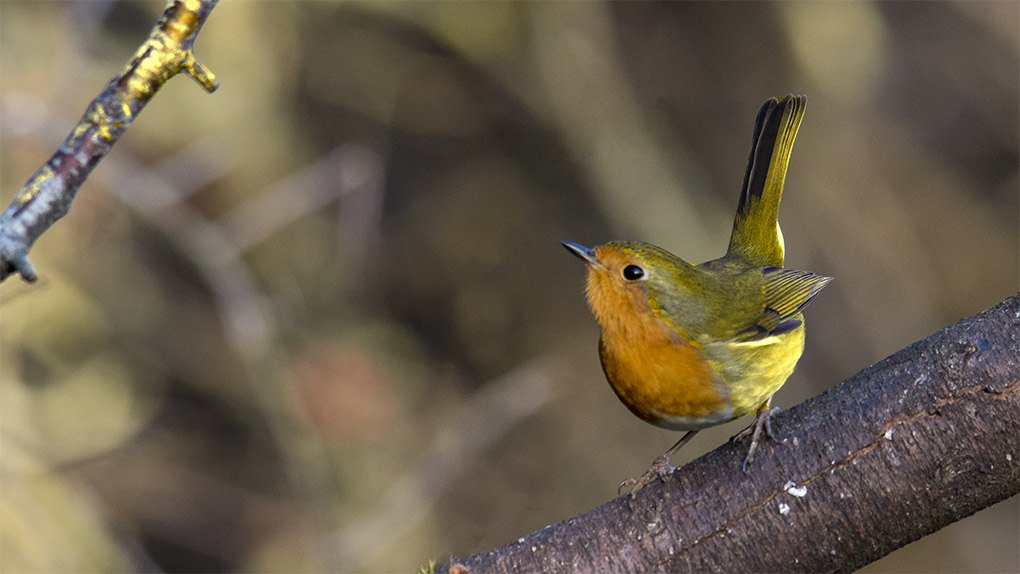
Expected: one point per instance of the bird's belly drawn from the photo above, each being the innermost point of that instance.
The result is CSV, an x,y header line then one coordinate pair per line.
x,y
666,383
755,370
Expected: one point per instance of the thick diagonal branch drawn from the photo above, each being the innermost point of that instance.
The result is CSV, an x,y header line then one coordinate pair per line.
x,y
907,446
47,195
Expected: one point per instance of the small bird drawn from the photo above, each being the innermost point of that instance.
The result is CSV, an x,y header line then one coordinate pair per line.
x,y
686,347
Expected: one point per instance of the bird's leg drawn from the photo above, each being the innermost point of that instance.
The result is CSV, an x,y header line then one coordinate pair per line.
x,y
660,468
762,419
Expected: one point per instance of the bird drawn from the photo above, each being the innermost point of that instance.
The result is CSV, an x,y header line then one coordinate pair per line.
x,y
685,346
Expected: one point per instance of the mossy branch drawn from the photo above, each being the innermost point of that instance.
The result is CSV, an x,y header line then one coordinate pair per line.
x,y
47,195
907,446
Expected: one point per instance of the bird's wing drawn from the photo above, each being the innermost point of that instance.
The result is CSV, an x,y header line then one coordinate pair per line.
x,y
787,292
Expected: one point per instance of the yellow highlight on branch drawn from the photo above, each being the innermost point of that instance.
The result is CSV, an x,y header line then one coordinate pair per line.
x,y
48,194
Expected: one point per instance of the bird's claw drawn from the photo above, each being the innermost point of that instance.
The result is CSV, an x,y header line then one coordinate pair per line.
x,y
660,469
763,420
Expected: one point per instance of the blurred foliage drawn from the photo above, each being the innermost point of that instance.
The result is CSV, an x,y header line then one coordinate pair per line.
x,y
264,336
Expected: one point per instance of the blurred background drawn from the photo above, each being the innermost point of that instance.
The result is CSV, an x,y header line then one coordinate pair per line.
x,y
321,319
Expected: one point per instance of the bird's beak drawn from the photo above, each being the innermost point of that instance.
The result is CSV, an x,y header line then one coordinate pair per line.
x,y
587,255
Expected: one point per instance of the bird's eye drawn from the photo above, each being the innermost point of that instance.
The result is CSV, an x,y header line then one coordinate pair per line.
x,y
633,273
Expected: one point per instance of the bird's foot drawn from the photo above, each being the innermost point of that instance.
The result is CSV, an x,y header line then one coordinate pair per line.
x,y
762,420
660,469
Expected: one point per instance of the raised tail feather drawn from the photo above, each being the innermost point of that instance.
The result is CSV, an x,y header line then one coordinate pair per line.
x,y
757,238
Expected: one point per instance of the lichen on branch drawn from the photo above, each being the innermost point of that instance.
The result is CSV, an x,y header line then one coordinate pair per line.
x,y
47,195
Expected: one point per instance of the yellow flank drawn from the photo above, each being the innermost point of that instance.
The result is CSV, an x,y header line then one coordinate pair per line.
x,y
690,346
757,369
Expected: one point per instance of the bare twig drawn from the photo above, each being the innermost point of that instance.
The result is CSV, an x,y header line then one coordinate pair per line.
x,y
47,195
907,446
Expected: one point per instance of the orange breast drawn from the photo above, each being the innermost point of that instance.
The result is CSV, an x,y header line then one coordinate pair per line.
x,y
661,378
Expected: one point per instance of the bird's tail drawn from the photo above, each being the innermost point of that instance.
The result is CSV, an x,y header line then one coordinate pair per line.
x,y
756,237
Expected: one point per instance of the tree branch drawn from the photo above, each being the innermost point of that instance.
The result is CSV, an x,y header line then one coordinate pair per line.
x,y
47,195
922,439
